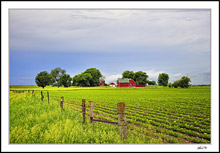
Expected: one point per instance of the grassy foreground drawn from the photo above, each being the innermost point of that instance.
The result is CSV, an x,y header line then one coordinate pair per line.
x,y
154,115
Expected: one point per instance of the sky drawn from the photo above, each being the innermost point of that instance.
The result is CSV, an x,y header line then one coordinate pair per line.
x,y
176,42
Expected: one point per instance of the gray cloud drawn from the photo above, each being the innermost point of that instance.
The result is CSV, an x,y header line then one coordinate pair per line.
x,y
103,29
87,17
112,78
196,78
155,41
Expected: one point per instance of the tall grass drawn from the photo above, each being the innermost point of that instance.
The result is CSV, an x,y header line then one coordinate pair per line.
x,y
35,121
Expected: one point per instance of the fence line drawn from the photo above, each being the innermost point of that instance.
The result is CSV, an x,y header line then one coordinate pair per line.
x,y
61,103
84,110
90,111
42,96
122,123
48,96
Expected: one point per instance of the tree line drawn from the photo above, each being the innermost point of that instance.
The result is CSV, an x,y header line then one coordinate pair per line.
x,y
58,77
141,79
92,76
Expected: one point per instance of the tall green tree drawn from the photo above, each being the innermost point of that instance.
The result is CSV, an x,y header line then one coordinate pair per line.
x,y
163,79
140,78
56,74
65,80
43,79
90,77
184,82
82,79
170,85
128,74
175,84
151,82
75,80
96,75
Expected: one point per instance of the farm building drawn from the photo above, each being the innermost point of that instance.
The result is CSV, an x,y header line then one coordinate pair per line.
x,y
102,83
112,84
125,82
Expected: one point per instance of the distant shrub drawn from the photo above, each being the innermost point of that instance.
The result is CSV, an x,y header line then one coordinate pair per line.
x,y
170,85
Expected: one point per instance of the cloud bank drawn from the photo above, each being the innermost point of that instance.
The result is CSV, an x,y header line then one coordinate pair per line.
x,y
176,42
109,30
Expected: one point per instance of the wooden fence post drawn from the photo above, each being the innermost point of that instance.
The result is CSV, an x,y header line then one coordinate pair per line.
x,y
90,111
84,110
42,96
32,92
61,103
48,96
122,123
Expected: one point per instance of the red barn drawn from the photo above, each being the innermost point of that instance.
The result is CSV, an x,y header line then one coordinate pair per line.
x,y
102,83
125,82
112,84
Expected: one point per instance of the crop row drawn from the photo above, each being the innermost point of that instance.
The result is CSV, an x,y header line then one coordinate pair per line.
x,y
196,119
196,125
183,128
173,108
167,129
155,118
168,113
159,129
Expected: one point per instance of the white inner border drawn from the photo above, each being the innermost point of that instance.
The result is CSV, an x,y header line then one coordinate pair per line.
x,y
214,146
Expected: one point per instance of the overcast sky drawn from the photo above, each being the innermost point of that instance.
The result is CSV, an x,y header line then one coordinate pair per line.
x,y
176,42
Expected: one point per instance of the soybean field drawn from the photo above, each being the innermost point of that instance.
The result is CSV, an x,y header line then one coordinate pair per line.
x,y
155,115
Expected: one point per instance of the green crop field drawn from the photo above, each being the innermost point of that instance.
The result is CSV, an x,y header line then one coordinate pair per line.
x,y
155,115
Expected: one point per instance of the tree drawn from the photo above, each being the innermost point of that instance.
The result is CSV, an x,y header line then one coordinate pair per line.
x,y
90,77
75,80
184,82
175,84
128,74
163,79
140,78
65,80
96,74
151,82
56,74
82,79
43,79
170,85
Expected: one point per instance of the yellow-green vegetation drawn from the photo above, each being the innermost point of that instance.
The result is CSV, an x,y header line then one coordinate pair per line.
x,y
154,115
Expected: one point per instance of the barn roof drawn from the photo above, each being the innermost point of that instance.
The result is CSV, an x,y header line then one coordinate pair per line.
x,y
123,80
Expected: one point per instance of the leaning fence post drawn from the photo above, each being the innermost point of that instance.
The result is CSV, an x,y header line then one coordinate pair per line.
x,y
48,96
42,96
84,110
90,111
61,103
122,123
